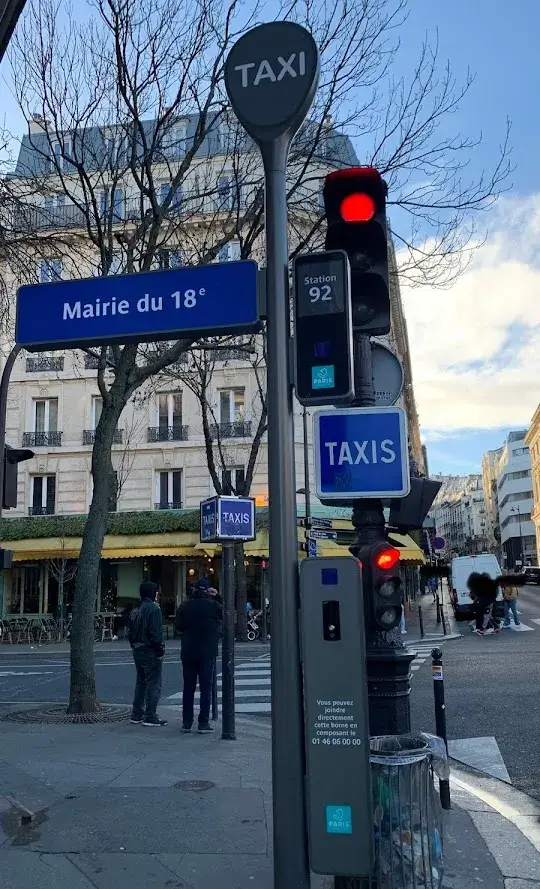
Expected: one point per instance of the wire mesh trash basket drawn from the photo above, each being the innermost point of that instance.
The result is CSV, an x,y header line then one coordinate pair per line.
x,y
407,812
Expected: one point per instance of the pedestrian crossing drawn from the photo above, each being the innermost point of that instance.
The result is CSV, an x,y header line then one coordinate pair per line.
x,y
423,652
252,687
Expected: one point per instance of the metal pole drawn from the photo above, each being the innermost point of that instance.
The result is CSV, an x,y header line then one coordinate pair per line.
x,y
306,467
4,385
264,618
421,621
438,601
227,645
388,661
215,709
291,867
440,718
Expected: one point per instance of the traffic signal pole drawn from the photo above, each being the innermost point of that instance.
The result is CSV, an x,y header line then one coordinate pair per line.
x,y
388,661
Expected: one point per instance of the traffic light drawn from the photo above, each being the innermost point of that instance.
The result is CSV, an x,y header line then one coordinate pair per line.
x,y
355,206
381,585
323,348
12,458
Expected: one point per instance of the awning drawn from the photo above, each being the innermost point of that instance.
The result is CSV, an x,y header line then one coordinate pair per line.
x,y
409,551
136,546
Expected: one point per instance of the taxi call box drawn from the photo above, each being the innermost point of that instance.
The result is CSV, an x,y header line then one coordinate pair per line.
x,y
323,345
339,801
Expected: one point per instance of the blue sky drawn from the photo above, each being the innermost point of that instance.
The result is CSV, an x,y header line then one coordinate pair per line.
x,y
475,346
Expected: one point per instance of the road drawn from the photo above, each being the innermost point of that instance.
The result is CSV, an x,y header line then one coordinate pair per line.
x,y
492,688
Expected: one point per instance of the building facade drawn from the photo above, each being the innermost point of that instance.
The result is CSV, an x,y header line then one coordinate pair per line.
x,y
490,470
460,515
515,502
160,454
532,440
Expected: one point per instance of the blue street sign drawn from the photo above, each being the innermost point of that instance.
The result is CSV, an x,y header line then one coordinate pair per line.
x,y
227,518
209,514
322,535
361,452
312,548
164,305
236,518
439,543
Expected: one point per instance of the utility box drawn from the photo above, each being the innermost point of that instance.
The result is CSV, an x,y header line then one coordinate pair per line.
x,y
340,811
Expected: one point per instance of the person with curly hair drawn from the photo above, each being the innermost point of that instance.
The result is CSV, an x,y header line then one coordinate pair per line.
x,y
484,590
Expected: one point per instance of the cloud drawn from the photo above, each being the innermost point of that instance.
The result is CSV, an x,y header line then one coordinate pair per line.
x,y
475,346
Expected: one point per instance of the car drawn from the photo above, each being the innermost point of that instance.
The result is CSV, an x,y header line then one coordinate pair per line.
x,y
532,574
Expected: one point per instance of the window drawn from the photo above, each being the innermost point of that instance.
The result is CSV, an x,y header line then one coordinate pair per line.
x,y
43,495
46,415
169,489
225,193
520,452
231,405
53,201
233,480
230,252
174,139
60,155
114,148
169,409
164,190
171,259
97,407
111,202
50,270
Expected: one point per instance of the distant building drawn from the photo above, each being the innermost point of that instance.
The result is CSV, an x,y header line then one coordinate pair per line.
x,y
459,513
515,502
532,439
490,470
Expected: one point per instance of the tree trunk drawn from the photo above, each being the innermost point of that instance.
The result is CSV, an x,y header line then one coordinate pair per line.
x,y
241,591
82,693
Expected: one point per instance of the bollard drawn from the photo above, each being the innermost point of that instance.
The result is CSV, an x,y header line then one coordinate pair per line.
x,y
440,718
438,601
421,621
444,627
215,711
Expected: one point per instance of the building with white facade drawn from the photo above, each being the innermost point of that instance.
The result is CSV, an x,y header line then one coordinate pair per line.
x,y
160,452
490,471
515,502
459,514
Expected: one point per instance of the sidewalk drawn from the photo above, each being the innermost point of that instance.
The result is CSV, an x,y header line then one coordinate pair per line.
x,y
119,645
432,630
122,807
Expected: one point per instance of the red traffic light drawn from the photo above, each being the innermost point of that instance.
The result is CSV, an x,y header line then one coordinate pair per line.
x,y
387,558
358,207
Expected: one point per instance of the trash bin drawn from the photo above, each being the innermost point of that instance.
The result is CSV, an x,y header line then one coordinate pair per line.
x,y
407,812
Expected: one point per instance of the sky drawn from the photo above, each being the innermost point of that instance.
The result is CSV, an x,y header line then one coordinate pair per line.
x,y
475,346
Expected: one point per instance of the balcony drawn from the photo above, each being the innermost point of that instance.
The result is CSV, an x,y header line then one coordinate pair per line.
x,y
168,433
40,363
236,354
239,429
89,436
176,504
42,510
42,440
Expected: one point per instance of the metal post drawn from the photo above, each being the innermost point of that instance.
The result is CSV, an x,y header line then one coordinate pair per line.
x,y
440,718
307,489
438,601
388,661
291,868
228,732
215,709
421,621
4,385
264,616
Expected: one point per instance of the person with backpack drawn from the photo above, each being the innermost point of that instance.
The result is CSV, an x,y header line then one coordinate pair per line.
x,y
198,623
483,590
146,640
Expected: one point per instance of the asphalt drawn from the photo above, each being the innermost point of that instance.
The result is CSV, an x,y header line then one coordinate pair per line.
x,y
492,689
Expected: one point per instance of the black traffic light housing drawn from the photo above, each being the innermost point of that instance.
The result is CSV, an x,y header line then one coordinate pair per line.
x,y
355,207
381,584
12,458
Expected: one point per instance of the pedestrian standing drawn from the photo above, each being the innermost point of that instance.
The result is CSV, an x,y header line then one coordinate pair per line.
x,y
146,640
510,596
198,622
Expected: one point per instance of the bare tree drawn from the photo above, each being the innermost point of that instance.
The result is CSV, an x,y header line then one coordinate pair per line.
x,y
223,450
63,568
127,107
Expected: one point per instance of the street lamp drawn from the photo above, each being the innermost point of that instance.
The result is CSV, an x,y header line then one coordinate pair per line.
x,y
522,548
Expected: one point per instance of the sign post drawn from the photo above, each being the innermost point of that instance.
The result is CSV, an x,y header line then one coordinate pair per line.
x,y
271,76
225,520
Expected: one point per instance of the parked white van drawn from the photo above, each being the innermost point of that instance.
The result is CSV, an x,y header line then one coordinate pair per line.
x,y
460,569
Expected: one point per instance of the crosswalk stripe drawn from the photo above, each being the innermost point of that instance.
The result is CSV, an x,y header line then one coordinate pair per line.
x,y
251,693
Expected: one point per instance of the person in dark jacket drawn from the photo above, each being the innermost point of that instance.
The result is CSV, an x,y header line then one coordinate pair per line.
x,y
146,640
198,622
484,590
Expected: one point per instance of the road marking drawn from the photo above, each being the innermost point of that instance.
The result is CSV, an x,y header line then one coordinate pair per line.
x,y
482,754
25,673
535,620
523,628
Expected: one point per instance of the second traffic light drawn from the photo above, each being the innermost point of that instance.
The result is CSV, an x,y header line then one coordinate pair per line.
x,y
12,458
381,584
323,348
355,207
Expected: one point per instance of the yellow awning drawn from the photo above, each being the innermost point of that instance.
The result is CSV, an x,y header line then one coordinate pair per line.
x,y
115,546
409,551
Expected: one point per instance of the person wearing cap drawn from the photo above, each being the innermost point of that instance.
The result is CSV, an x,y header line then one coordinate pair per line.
x,y
198,622
146,640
